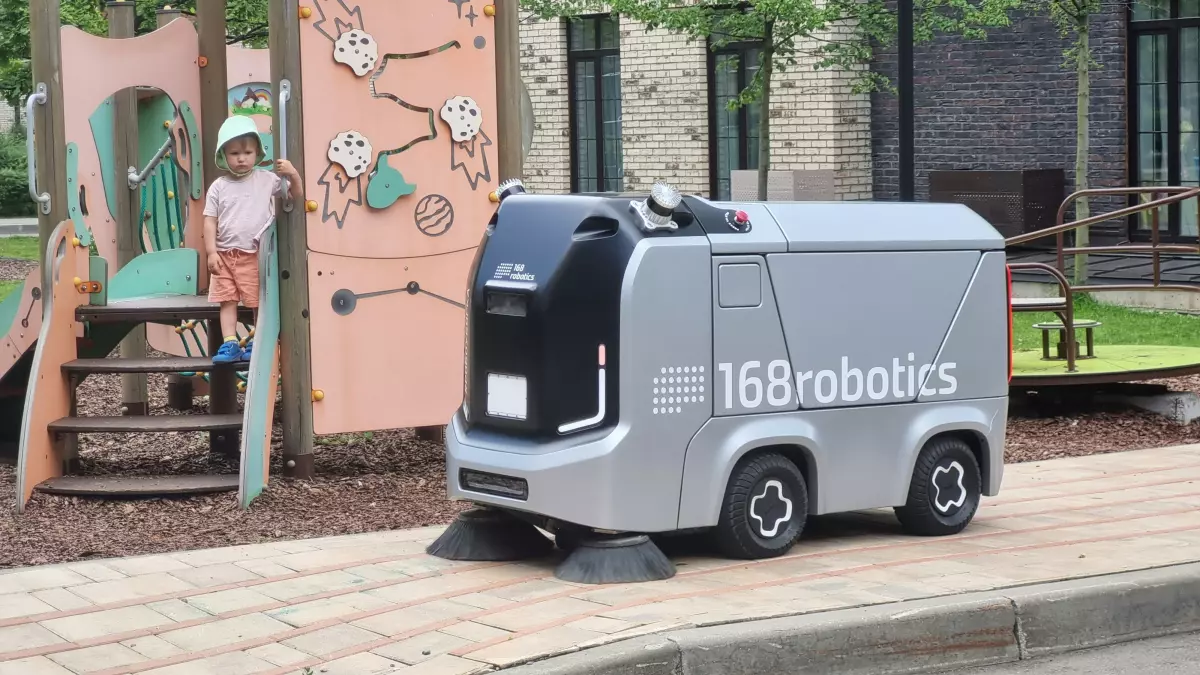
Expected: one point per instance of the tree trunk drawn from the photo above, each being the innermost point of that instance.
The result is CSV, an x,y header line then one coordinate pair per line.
x,y
764,115
1082,104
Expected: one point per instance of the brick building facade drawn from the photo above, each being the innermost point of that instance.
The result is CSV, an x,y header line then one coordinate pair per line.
x,y
618,107
670,120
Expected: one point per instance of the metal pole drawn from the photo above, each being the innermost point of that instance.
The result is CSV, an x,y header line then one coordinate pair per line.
x,y
905,41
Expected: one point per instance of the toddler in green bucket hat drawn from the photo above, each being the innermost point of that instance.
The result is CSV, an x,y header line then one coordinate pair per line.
x,y
240,206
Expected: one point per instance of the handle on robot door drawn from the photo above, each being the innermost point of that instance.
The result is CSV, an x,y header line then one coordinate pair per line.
x,y
38,97
285,95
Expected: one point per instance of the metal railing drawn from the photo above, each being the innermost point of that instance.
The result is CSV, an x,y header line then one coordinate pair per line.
x,y
1173,195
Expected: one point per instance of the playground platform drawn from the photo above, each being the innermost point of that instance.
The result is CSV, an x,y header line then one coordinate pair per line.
x,y
375,603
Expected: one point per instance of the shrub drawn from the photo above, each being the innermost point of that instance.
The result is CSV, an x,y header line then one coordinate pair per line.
x,y
14,181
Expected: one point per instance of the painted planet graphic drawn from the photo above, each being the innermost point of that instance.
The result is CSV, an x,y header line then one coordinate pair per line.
x,y
434,215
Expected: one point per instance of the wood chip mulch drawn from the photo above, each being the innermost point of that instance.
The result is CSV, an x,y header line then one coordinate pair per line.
x,y
384,480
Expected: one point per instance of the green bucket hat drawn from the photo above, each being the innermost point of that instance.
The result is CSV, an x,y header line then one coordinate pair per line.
x,y
232,128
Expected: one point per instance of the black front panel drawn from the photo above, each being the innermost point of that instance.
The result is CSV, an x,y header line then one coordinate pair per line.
x,y
546,293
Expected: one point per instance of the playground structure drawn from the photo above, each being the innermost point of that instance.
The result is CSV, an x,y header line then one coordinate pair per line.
x,y
1110,363
399,149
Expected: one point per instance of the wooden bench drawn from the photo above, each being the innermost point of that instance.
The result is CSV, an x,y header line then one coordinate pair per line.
x,y
1061,348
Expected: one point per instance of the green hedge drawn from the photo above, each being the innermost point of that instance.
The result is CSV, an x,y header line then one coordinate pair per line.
x,y
14,181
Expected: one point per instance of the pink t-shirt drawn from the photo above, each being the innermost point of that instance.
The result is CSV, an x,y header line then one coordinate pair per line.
x,y
244,207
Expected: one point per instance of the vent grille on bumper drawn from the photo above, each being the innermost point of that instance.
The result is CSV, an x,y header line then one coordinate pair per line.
x,y
493,484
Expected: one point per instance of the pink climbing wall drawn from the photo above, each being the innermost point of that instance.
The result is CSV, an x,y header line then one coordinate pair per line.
x,y
165,59
400,147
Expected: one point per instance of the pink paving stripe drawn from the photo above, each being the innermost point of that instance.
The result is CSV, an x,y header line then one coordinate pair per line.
x,y
179,595
465,652
1006,502
250,644
296,632
48,649
144,632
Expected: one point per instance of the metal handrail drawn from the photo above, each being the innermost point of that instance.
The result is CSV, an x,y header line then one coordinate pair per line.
x,y
38,97
1068,312
136,178
285,95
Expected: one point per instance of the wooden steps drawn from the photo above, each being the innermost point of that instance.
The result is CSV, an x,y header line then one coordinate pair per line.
x,y
223,428
161,309
139,486
173,364
146,423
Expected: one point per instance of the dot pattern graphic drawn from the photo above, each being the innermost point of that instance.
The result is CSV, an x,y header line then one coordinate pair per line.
x,y
675,388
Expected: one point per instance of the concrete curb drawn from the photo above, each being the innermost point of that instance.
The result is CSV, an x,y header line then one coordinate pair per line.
x,y
971,629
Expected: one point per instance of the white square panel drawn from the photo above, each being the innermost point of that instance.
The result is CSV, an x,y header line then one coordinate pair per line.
x,y
506,396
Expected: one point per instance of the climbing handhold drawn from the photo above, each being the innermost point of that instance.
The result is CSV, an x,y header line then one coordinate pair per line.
x,y
170,194
305,12
318,395
493,197
202,61
166,124
74,241
172,228
77,281
310,205
241,387
386,185
489,10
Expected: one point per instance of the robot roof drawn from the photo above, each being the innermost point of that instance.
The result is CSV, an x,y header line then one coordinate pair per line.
x,y
866,226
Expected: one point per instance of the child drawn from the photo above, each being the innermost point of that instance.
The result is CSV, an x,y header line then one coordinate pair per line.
x,y
239,208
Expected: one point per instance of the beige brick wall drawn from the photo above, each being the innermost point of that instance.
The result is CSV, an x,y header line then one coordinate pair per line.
x,y
664,109
816,121
544,70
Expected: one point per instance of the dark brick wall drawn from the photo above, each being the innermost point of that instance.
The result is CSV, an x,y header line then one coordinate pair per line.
x,y
1006,102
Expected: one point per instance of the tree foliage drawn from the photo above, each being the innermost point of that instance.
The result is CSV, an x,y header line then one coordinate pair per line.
x,y
246,21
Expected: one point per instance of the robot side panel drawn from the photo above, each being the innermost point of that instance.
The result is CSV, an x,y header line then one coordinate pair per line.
x,y
865,328
975,352
666,341
751,369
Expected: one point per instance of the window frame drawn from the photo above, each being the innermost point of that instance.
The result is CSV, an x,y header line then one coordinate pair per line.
x,y
1172,28
596,56
740,48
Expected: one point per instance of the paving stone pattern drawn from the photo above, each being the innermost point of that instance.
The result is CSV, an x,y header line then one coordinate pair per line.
x,y
375,603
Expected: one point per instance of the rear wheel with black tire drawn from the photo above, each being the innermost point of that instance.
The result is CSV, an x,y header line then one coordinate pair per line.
x,y
765,508
945,490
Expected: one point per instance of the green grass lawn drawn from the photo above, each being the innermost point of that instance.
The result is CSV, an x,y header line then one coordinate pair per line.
x,y
25,248
1121,326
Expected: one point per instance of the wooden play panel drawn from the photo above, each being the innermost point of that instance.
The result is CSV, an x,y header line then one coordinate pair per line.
x,y
1113,363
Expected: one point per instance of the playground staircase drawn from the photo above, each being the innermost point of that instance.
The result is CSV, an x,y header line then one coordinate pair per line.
x,y
113,321
87,315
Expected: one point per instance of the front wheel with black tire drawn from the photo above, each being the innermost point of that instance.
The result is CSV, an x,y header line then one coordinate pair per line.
x,y
765,508
945,490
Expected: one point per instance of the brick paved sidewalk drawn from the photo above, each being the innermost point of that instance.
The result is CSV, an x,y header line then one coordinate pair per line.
x,y
375,603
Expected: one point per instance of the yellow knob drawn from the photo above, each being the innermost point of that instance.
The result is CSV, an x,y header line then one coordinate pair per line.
x,y
166,124
489,10
74,241
318,395
170,194
172,228
305,12
241,386
310,205
78,281
494,197
179,330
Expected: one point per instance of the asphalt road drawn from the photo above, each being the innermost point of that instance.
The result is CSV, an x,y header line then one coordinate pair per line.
x,y
1175,655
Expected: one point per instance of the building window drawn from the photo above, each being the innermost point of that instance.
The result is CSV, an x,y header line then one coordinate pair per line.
x,y
733,134
594,73
1164,91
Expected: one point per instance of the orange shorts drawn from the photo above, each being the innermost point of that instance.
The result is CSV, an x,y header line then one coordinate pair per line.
x,y
237,280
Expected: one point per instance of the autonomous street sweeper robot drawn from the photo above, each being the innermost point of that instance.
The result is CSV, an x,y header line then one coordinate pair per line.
x,y
664,364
